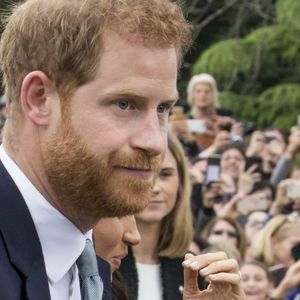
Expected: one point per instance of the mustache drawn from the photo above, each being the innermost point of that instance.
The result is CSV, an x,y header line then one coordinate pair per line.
x,y
141,161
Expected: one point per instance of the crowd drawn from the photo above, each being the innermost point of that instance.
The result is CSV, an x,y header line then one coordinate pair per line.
x,y
197,205
245,191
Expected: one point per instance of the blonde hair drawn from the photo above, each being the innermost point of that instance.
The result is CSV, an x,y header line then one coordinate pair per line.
x,y
206,79
176,232
279,227
63,38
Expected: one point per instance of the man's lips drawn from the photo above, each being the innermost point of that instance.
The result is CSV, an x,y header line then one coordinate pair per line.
x,y
141,173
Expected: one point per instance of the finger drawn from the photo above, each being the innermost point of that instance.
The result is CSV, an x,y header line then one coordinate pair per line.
x,y
225,277
190,278
228,265
201,261
233,279
252,169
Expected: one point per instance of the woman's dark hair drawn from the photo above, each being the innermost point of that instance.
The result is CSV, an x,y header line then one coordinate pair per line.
x,y
119,288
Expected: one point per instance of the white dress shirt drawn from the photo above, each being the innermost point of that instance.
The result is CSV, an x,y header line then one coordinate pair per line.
x,y
62,242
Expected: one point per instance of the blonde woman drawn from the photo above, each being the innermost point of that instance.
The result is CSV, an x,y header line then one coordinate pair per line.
x,y
155,265
274,246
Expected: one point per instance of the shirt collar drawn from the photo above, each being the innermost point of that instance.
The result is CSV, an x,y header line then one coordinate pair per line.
x,y
62,242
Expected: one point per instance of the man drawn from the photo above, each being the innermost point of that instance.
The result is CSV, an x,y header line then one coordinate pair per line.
x,y
89,86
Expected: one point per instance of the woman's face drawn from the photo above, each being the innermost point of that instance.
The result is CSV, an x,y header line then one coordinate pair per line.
x,y
282,248
254,224
164,193
202,95
255,282
232,163
112,237
223,231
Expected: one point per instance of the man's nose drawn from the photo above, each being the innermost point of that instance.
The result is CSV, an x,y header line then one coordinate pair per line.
x,y
153,136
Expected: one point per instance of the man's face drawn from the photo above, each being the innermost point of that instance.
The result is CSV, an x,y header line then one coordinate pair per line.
x,y
102,159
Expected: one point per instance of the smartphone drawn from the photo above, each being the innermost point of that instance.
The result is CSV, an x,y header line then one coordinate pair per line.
x,y
277,273
298,121
212,170
293,190
254,160
254,202
196,126
295,251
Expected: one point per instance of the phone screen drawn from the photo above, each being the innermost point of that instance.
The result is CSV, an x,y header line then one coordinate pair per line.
x,y
254,160
212,170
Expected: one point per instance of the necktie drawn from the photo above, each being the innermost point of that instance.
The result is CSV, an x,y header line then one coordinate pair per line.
x,y
91,283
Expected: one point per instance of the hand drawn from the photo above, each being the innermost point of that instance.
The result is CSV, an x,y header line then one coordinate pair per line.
x,y
289,281
281,199
210,193
229,208
247,180
257,144
180,129
294,143
221,272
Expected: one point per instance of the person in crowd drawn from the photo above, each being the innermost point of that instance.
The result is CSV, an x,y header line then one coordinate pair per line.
x,y
256,280
165,226
166,233
273,246
206,118
284,164
225,229
86,130
256,220
112,237
287,198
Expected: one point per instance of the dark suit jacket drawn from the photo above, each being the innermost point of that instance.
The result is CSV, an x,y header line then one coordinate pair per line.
x,y
22,268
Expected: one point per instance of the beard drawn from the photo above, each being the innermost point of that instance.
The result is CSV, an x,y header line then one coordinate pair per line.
x,y
91,186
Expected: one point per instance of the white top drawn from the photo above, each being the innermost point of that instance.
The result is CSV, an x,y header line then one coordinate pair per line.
x,y
150,286
62,242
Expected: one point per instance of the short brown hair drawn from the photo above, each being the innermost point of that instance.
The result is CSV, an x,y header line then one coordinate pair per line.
x,y
62,38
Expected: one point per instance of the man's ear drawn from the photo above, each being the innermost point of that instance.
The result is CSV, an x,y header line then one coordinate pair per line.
x,y
35,100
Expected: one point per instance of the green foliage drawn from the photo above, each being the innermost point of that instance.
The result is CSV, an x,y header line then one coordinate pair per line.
x,y
275,52
279,106
288,12
227,61
268,56
243,106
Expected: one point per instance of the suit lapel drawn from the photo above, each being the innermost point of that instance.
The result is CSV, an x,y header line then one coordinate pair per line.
x,y
21,238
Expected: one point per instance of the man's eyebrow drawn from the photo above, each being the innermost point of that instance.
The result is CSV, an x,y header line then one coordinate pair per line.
x,y
137,95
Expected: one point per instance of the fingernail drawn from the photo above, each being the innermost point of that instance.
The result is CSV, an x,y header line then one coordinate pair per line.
x,y
187,262
212,276
204,271
194,264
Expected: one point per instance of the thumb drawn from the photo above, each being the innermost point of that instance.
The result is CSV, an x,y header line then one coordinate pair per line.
x,y
190,277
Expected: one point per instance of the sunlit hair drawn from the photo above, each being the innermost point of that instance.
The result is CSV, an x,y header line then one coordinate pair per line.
x,y
279,227
241,237
176,232
202,78
63,38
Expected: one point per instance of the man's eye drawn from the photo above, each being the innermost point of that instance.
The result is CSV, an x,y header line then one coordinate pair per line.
x,y
123,104
161,108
